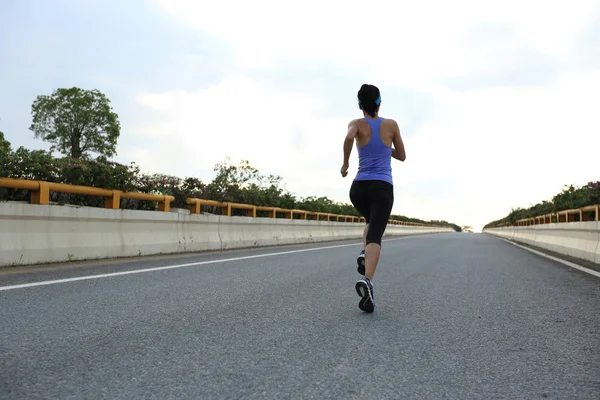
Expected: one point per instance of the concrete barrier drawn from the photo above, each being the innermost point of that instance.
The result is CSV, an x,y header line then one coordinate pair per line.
x,y
575,239
32,234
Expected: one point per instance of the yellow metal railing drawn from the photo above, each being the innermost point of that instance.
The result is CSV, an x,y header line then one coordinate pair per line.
x,y
272,212
227,208
579,214
40,193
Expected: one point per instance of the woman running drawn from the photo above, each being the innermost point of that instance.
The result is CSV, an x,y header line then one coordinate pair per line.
x,y
372,191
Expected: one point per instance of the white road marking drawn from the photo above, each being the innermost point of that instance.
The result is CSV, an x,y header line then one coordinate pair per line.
x,y
166,267
565,262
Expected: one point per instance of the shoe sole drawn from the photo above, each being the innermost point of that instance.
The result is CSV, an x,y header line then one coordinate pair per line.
x,y
365,303
361,265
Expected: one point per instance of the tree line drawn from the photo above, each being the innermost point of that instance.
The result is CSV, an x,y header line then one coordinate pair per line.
x,y
571,197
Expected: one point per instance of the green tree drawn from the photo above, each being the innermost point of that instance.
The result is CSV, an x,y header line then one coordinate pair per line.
x,y
4,144
5,152
76,122
238,182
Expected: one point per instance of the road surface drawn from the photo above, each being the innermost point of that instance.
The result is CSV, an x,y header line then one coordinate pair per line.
x,y
458,316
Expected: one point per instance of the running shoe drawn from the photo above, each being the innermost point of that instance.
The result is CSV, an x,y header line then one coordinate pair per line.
x,y
361,263
364,288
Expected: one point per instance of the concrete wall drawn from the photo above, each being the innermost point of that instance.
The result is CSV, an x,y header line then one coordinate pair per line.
x,y
31,234
575,239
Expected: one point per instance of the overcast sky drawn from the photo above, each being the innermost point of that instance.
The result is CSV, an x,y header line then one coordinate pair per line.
x,y
498,104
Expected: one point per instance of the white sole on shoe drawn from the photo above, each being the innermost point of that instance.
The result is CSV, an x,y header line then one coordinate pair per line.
x,y
366,303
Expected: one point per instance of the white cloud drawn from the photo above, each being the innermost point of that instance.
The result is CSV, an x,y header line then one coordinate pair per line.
x,y
404,42
277,131
485,151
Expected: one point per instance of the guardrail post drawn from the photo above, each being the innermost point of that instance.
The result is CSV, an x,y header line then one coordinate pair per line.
x,y
195,207
164,204
252,212
585,216
113,201
226,210
42,195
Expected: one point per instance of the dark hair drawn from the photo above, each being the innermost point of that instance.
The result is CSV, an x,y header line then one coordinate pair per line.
x,y
369,98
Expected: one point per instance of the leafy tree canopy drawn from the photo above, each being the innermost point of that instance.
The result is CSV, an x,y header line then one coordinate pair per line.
x,y
76,122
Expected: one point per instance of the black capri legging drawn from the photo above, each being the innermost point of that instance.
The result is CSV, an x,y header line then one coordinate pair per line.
x,y
373,199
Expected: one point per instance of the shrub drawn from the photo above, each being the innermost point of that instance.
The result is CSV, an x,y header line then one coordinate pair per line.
x,y
5,151
323,204
593,192
41,165
571,197
170,185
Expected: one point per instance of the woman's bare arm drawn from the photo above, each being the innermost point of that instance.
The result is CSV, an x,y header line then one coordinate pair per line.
x,y
398,152
348,144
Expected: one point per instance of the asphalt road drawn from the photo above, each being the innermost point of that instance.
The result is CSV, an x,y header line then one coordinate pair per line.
x,y
458,316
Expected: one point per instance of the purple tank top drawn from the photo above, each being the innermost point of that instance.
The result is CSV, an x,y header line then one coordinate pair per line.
x,y
375,159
